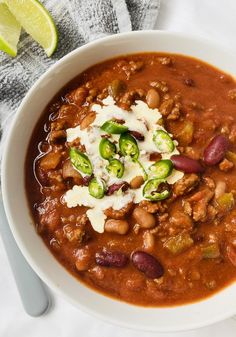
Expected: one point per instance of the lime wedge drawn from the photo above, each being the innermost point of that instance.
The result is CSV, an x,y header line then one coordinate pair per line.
x,y
9,31
36,21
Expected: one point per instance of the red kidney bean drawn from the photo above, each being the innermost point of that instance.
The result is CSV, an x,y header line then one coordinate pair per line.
x,y
147,264
86,180
216,149
107,258
186,164
137,135
115,187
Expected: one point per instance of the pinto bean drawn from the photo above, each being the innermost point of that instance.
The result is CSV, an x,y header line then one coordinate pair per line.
x,y
107,258
136,182
186,164
147,264
116,226
83,259
50,161
87,120
216,149
143,218
148,241
153,98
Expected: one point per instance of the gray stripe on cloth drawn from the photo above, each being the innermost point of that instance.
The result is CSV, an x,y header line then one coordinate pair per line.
x,y
143,13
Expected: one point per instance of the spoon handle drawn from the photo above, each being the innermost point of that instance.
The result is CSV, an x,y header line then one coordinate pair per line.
x,y
33,294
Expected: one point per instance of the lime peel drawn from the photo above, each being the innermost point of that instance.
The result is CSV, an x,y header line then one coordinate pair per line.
x,y
36,21
9,31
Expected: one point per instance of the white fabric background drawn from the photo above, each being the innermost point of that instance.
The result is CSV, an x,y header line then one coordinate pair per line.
x,y
214,19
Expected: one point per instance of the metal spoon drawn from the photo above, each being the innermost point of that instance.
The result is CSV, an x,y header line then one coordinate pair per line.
x,y
33,294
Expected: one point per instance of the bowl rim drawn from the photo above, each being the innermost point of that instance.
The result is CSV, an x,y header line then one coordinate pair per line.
x,y
6,198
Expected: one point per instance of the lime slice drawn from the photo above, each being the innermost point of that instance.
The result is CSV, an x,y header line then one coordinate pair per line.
x,y
9,31
36,21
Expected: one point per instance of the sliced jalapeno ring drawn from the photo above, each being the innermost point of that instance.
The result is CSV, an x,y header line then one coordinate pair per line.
x,y
97,188
80,161
113,127
115,168
163,141
107,149
156,189
128,146
161,169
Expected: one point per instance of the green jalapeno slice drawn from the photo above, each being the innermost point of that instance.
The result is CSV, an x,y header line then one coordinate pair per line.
x,y
163,141
107,149
115,168
156,189
81,161
97,188
128,146
161,169
113,127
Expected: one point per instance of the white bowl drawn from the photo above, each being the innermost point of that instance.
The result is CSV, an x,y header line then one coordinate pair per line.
x,y
218,307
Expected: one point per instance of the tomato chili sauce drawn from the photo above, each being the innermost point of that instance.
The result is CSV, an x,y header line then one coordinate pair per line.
x,y
176,245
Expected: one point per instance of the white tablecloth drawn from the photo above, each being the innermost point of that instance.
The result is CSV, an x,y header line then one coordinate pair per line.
x,y
214,19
